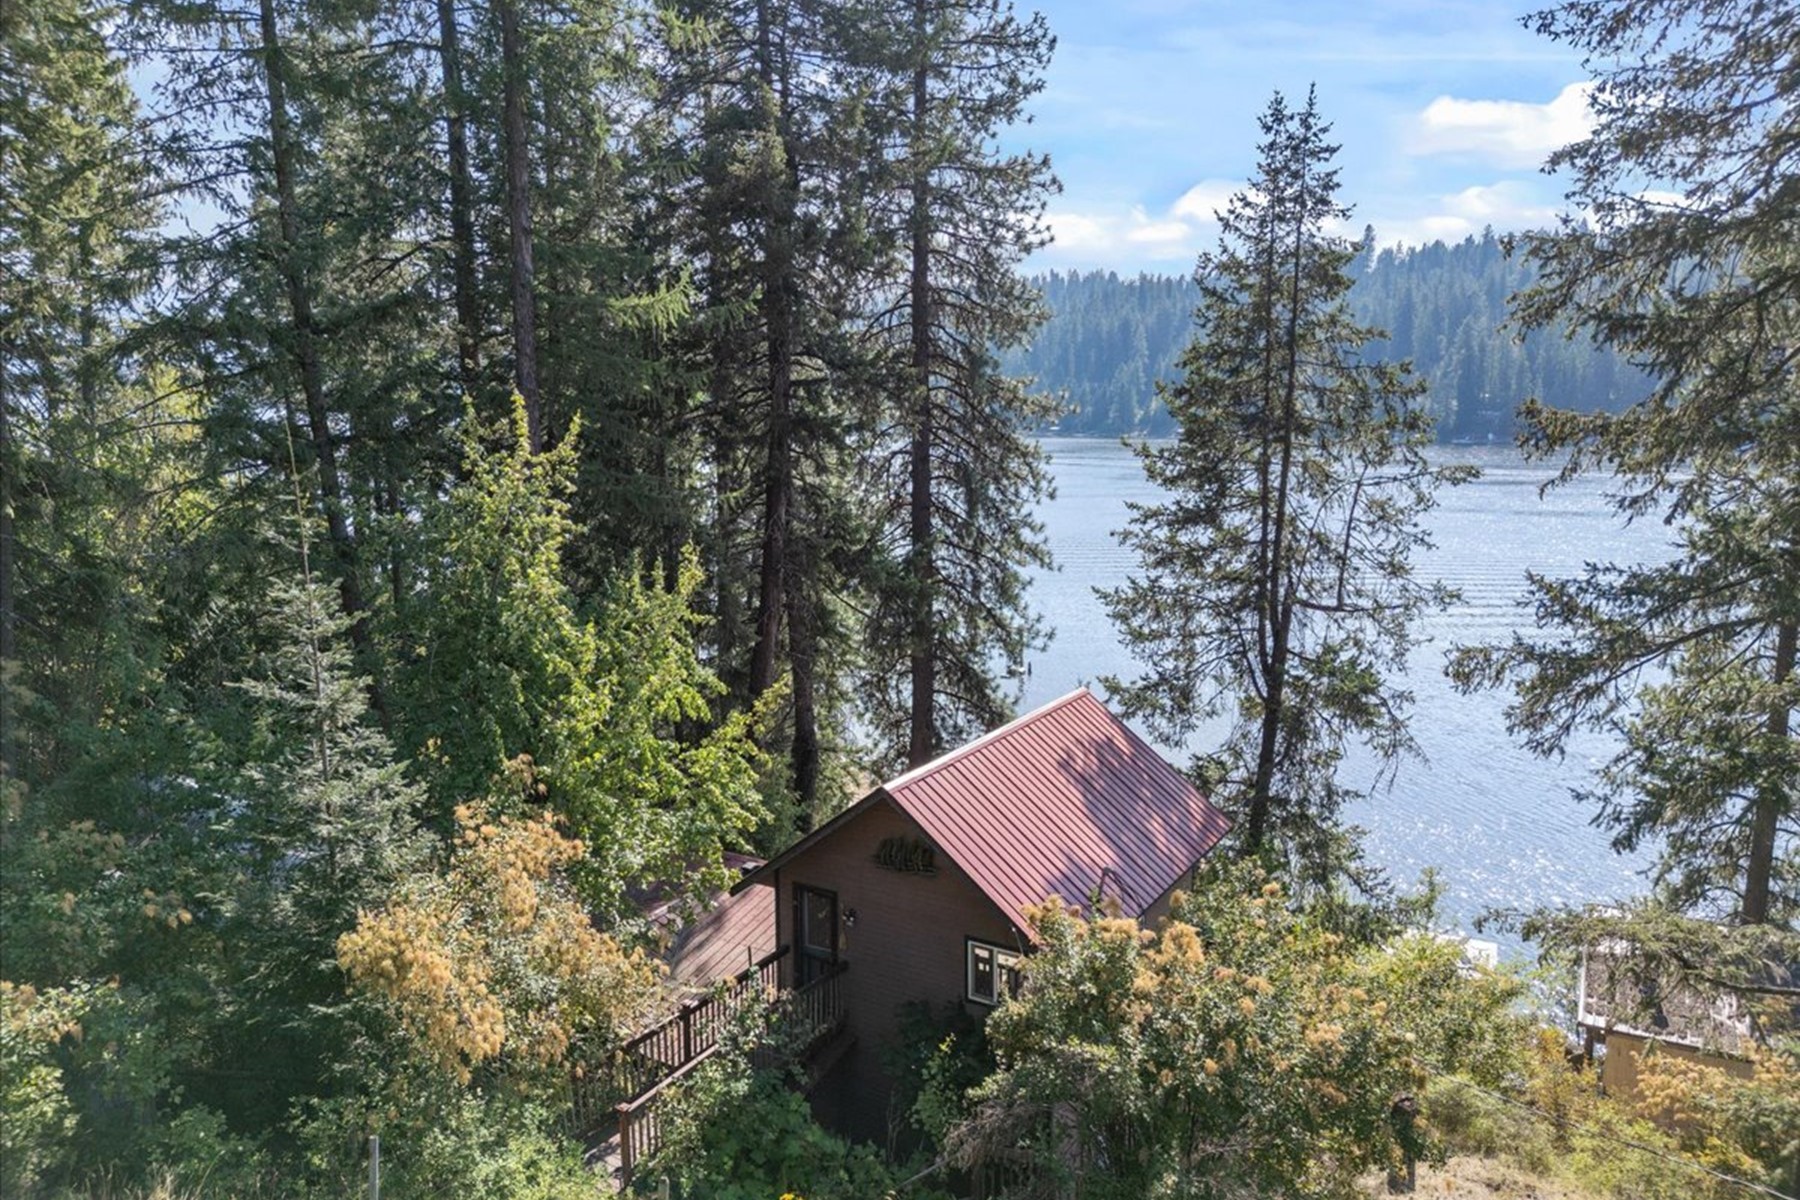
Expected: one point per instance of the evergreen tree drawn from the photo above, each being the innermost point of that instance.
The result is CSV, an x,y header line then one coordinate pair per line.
x,y
1275,583
98,457
770,147
1684,262
316,822
297,294
950,607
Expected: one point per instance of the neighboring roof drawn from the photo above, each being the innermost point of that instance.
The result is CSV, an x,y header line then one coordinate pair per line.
x,y
1064,801
731,935
1614,995
664,902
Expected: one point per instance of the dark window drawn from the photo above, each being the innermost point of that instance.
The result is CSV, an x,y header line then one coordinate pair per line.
x,y
816,930
993,972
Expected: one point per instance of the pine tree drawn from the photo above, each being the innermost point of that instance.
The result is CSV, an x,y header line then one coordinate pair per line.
x,y
317,821
94,448
1683,261
96,454
1275,583
950,609
296,300
771,152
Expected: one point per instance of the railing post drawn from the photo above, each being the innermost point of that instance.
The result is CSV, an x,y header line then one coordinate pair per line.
x,y
626,1158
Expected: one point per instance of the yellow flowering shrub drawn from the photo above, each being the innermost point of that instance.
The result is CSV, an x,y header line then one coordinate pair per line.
x,y
494,960
1749,1128
1238,1048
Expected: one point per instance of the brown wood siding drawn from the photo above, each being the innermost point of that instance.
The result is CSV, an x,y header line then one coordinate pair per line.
x,y
1157,911
1624,1052
907,944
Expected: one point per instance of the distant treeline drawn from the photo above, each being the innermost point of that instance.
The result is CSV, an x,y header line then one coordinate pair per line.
x,y
1108,341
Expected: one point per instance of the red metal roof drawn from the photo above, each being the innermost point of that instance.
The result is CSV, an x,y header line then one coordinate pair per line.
x,y
1064,801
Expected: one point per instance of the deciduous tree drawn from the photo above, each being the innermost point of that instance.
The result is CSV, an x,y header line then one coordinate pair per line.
x,y
1240,1049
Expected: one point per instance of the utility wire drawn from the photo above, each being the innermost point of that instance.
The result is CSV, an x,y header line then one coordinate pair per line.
x,y
1564,1122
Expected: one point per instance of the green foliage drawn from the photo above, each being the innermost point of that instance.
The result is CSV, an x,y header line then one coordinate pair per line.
x,y
613,709
86,1067
1241,1047
1553,1122
196,1151
937,1059
735,1133
491,964
1275,584
1467,1120
37,1118
448,1142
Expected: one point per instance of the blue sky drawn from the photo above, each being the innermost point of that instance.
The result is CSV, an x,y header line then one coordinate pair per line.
x,y
1444,112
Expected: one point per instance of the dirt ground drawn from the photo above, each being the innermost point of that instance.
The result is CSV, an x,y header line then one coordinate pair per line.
x,y
1480,1179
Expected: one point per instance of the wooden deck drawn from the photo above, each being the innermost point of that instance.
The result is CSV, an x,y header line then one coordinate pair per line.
x,y
616,1104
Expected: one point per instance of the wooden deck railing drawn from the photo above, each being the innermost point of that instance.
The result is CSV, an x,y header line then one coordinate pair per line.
x,y
640,1123
603,1081
807,1015
694,1028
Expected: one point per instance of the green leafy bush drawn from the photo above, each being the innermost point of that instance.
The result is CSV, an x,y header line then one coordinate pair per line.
x,y
1241,1048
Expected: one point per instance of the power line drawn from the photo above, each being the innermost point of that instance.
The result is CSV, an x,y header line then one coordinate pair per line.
x,y
1653,1151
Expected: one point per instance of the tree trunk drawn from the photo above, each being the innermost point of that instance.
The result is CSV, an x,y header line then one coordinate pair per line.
x,y
518,217
1771,797
8,569
462,203
305,340
1280,596
778,481
778,498
922,745
803,643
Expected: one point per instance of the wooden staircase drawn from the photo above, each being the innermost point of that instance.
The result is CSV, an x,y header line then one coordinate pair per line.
x,y
616,1103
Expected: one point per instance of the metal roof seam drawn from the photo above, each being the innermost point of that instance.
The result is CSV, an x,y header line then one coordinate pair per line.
x,y
1049,804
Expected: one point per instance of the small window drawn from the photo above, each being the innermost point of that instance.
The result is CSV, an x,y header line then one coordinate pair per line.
x,y
993,972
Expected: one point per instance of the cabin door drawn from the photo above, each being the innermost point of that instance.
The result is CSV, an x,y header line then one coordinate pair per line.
x,y
816,930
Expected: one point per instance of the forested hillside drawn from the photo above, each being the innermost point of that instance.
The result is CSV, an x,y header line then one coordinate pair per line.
x,y
462,466
467,469
1109,340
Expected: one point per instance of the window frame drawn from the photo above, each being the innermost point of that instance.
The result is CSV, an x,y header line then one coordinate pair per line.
x,y
1006,959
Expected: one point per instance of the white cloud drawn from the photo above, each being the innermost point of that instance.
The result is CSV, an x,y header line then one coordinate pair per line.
x,y
1506,132
1078,233
1507,205
1173,236
1136,238
1201,201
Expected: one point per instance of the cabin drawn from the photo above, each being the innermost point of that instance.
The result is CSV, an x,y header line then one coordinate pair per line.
x,y
1625,1012
921,890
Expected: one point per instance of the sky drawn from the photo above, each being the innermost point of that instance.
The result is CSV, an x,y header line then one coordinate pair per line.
x,y
1444,111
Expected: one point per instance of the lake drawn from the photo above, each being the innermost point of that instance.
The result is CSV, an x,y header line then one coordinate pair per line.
x,y
1499,824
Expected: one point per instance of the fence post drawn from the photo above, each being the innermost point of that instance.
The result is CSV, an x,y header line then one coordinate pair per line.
x,y
1403,1114
374,1166
625,1155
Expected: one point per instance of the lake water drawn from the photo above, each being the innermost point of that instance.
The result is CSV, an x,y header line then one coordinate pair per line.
x,y
1499,824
